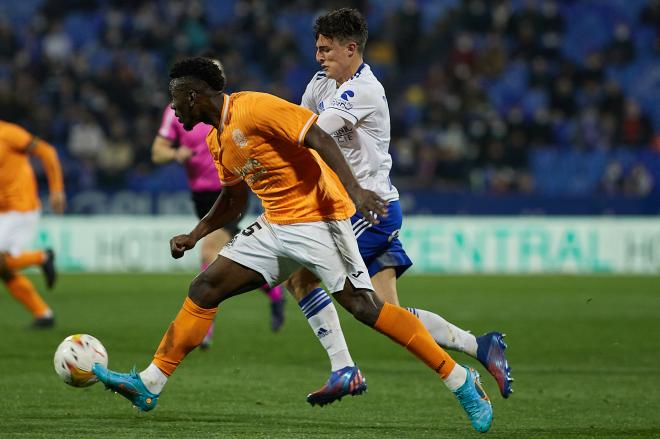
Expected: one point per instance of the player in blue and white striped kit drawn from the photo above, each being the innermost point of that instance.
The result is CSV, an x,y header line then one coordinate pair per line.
x,y
352,107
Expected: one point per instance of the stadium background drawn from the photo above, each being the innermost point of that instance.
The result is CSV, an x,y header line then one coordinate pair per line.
x,y
526,139
501,107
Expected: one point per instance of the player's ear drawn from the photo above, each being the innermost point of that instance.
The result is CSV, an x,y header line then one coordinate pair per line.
x,y
351,48
192,96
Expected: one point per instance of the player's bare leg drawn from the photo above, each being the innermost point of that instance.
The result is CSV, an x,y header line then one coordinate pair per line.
x,y
384,283
220,281
405,329
45,259
211,245
22,289
489,348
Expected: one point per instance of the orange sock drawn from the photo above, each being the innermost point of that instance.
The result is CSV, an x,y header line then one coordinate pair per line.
x,y
406,329
25,259
184,334
22,289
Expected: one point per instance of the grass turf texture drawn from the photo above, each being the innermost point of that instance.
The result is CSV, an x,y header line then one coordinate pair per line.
x,y
584,351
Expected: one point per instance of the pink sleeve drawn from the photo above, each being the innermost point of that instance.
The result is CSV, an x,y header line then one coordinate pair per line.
x,y
169,125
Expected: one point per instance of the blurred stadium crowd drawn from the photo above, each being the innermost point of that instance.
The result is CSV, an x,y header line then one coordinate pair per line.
x,y
486,96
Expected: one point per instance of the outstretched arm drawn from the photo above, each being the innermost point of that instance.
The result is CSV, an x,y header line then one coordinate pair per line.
x,y
163,151
227,208
47,154
367,202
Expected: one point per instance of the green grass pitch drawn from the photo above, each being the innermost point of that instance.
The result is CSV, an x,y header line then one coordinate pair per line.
x,y
585,352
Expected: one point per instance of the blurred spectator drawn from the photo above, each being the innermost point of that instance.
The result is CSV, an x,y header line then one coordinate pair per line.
x,y
476,88
407,28
612,181
650,14
86,139
639,182
634,127
57,45
622,49
116,158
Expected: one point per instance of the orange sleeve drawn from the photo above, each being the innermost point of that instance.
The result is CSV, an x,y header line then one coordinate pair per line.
x,y
48,157
226,177
16,137
273,116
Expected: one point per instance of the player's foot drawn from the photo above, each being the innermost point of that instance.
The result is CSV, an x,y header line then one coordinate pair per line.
x,y
277,314
475,402
207,342
490,352
45,322
128,385
48,267
342,382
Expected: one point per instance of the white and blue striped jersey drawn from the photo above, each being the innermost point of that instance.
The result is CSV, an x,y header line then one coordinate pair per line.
x,y
365,139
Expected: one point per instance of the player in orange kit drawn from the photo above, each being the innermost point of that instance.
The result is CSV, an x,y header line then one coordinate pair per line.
x,y
274,148
19,212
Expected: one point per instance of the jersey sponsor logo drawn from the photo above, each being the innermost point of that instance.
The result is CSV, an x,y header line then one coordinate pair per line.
x,y
239,138
342,102
343,135
254,167
347,95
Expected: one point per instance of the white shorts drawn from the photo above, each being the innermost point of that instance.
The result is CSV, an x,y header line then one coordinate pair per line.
x,y
17,230
327,249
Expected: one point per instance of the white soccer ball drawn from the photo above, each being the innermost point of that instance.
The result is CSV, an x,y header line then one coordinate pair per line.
x,y
75,357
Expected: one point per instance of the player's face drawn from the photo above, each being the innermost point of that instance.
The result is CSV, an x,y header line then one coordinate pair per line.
x,y
335,58
183,104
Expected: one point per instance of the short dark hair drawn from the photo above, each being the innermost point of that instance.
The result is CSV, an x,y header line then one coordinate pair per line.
x,y
200,68
343,24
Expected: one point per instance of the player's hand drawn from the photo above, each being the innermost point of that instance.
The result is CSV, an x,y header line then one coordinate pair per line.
x,y
369,204
182,155
57,202
179,244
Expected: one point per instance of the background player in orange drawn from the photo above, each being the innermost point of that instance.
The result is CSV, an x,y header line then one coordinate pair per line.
x,y
274,148
19,213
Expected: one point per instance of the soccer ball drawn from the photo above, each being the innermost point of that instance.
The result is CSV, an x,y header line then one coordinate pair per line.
x,y
75,357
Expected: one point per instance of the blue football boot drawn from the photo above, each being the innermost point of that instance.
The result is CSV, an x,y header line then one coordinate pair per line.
x,y
475,402
128,385
490,352
345,381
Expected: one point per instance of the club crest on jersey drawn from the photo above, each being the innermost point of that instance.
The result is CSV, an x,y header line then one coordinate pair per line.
x,y
239,138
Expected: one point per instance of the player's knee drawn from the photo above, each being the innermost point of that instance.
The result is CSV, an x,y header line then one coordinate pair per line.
x,y
364,306
5,272
204,292
299,286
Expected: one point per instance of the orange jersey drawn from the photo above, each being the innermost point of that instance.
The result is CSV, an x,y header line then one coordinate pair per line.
x,y
261,141
18,186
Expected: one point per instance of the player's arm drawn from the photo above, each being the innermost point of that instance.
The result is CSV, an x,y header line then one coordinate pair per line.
x,y
367,202
47,154
163,151
226,209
